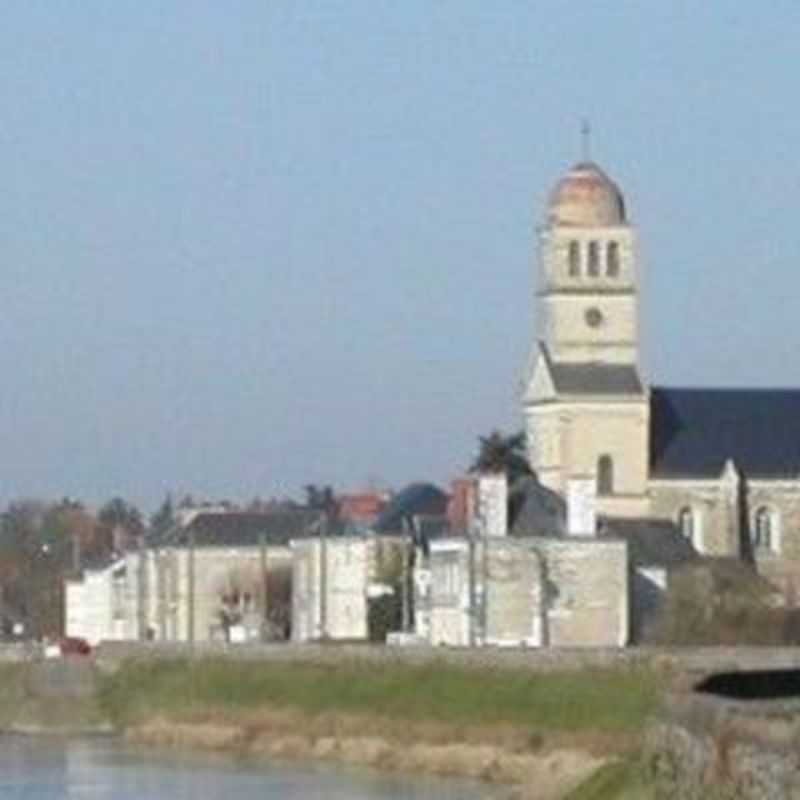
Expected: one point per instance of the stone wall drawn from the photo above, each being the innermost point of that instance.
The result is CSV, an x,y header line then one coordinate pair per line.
x,y
709,748
715,531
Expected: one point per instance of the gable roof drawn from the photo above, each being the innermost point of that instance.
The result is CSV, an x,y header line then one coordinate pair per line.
x,y
693,432
245,529
651,542
595,378
548,377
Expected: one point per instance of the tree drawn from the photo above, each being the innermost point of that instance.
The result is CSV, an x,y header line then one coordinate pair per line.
x,y
121,523
499,452
320,498
163,519
35,555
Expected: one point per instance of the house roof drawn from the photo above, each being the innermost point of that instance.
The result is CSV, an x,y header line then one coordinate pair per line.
x,y
415,500
693,432
651,542
246,529
535,510
595,378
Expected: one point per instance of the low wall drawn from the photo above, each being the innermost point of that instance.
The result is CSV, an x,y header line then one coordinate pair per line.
x,y
689,665
715,749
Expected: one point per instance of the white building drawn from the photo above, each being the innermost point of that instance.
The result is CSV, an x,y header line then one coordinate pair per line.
x,y
547,589
94,604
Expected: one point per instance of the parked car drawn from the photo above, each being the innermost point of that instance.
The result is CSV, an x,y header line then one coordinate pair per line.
x,y
75,646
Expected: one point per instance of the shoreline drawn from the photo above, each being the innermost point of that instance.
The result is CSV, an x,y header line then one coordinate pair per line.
x,y
550,774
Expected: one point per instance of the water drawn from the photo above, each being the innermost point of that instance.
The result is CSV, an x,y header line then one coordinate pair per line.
x,y
100,769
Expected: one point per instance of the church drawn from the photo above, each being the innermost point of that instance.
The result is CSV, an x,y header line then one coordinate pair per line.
x,y
722,465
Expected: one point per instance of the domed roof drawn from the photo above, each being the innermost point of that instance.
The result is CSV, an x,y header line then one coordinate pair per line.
x,y
586,196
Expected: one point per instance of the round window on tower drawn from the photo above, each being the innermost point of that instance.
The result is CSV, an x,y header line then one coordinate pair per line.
x,y
594,317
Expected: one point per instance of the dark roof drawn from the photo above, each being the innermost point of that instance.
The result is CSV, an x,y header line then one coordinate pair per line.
x,y
693,432
651,542
416,499
595,378
245,529
535,510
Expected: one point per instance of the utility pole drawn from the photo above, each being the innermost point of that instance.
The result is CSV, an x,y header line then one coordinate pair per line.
x,y
323,577
471,588
191,587
404,553
141,594
262,548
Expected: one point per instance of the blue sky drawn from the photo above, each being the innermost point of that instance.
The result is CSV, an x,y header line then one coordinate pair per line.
x,y
251,245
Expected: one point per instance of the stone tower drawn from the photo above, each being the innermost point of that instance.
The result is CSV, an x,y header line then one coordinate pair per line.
x,y
586,411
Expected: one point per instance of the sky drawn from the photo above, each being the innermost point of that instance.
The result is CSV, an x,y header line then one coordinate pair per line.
x,y
247,246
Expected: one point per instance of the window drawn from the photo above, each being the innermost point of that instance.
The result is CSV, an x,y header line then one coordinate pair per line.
x,y
593,260
690,524
574,259
446,579
764,534
605,475
686,523
612,259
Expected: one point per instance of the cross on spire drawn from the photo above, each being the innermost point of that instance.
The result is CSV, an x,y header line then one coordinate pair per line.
x,y
586,140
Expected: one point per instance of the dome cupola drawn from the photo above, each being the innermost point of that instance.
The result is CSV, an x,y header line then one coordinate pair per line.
x,y
586,197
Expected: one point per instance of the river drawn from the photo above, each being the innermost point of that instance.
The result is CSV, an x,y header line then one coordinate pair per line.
x,y
104,769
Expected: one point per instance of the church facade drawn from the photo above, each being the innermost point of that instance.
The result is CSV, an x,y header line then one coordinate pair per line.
x,y
723,465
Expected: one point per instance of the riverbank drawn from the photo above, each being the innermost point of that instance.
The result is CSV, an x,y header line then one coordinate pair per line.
x,y
53,698
542,734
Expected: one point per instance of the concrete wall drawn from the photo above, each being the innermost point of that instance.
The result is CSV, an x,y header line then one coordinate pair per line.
x,y
329,588
539,592
588,602
175,594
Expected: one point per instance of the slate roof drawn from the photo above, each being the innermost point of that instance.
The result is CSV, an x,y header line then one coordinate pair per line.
x,y
651,542
535,510
245,529
416,499
693,432
595,378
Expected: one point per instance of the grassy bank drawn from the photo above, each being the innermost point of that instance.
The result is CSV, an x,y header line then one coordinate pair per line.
x,y
28,707
12,693
613,702
544,732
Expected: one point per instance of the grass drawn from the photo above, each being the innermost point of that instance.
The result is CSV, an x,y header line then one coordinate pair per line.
x,y
12,691
20,706
608,701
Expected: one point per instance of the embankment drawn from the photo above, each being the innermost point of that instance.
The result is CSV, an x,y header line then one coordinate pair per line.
x,y
52,697
543,733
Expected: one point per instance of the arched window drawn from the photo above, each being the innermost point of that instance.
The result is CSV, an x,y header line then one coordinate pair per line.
x,y
764,530
593,260
605,475
574,259
686,523
612,259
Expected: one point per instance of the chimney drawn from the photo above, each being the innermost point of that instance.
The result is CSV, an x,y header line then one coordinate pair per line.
x,y
581,507
493,503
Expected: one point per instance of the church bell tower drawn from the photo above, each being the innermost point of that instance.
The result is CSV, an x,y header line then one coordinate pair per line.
x,y
585,408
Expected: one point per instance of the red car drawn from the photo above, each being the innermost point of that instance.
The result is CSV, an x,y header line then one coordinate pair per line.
x,y
75,646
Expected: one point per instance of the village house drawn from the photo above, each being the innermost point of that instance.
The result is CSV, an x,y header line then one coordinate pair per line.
x,y
224,576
